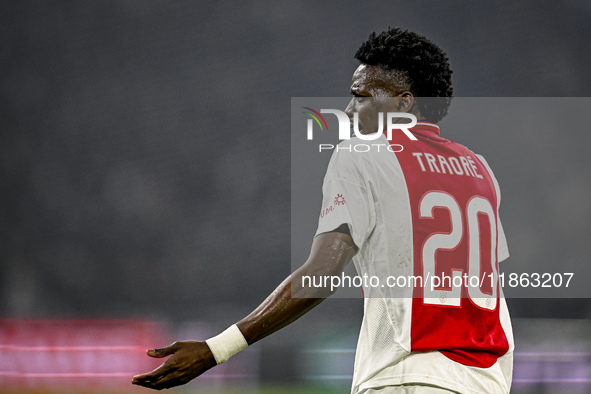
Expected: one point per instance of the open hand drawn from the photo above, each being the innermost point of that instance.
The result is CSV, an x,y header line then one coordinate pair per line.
x,y
188,360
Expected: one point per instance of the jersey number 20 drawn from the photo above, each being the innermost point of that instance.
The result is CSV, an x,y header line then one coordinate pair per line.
x,y
449,241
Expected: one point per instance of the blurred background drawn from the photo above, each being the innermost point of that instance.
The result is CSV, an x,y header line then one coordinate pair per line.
x,y
145,180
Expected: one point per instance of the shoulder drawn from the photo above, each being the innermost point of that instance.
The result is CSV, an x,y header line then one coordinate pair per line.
x,y
350,162
486,165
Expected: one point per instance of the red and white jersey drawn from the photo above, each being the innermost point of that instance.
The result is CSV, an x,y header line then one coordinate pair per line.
x,y
429,213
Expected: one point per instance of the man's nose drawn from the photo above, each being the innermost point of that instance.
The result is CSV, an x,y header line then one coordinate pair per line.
x,y
350,108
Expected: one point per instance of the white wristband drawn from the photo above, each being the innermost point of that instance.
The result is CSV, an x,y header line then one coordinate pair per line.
x,y
227,344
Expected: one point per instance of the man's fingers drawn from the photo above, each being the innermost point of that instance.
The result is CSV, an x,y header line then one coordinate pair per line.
x,y
155,378
165,383
186,362
163,351
147,378
142,380
152,378
162,371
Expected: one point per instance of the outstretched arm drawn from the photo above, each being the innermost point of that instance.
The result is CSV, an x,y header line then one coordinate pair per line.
x,y
330,254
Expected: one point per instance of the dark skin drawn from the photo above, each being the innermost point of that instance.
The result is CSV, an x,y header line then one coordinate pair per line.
x,y
373,92
329,255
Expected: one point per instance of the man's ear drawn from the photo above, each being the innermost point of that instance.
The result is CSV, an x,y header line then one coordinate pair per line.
x,y
406,102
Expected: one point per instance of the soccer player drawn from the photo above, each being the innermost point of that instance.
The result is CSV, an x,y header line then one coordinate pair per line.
x,y
428,212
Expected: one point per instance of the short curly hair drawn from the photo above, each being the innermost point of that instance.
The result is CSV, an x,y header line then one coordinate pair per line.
x,y
411,54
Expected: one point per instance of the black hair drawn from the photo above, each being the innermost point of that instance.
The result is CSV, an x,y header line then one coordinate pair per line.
x,y
425,64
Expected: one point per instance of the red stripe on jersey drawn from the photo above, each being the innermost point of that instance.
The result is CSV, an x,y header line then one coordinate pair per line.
x,y
452,198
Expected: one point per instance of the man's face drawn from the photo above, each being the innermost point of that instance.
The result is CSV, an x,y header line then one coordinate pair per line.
x,y
371,95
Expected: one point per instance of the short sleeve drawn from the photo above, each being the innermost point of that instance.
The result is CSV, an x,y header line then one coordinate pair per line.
x,y
346,197
502,247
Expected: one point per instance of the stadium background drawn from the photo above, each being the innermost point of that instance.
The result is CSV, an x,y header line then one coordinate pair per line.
x,y
145,179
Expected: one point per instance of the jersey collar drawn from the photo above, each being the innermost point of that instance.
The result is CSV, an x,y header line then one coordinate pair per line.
x,y
426,128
